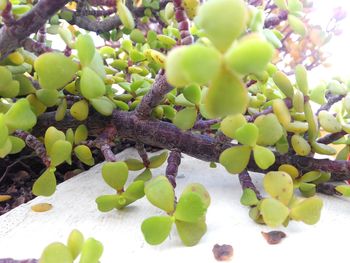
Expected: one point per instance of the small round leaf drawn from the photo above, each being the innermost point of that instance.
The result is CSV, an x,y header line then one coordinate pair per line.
x,y
156,229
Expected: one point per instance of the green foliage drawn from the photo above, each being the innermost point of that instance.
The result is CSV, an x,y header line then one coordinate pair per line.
x,y
263,157
56,253
86,49
274,212
235,99
115,174
54,70
186,118
308,210
91,85
225,29
160,193
75,243
279,185
192,64
250,55
235,159
270,130
46,184
230,77
188,215
20,116
247,134
190,208
90,250
249,198
158,160
156,229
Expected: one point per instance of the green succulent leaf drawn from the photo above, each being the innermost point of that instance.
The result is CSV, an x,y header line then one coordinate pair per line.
x,y
235,159
200,190
84,154
343,189
61,151
190,207
250,55
75,243
157,160
54,70
106,203
307,211
20,116
310,176
247,134
191,233
45,185
193,93
3,130
17,144
134,191
115,174
134,164
279,185
196,63
270,130
56,253
92,251
156,229
86,49
231,123
52,135
145,176
186,118
91,85
235,99
249,198
160,193
225,29
81,134
274,212
263,157
307,189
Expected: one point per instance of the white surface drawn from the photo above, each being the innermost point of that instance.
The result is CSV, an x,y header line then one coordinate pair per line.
x,y
24,233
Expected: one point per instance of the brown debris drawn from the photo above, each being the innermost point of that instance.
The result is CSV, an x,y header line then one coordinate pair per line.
x,y
273,237
41,207
222,252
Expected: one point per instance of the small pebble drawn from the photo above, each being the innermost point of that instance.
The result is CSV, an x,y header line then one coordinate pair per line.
x,y
273,237
222,252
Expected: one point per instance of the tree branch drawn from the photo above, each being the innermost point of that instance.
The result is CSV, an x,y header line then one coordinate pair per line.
x,y
246,182
154,97
165,135
32,142
174,161
12,36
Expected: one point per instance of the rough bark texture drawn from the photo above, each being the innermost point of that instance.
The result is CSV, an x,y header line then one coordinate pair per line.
x,y
11,36
167,136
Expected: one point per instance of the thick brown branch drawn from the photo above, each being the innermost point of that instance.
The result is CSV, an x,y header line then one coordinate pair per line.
x,y
104,142
12,36
154,97
167,136
37,48
33,143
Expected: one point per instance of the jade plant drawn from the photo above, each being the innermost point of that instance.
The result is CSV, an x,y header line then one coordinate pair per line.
x,y
87,251
208,79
